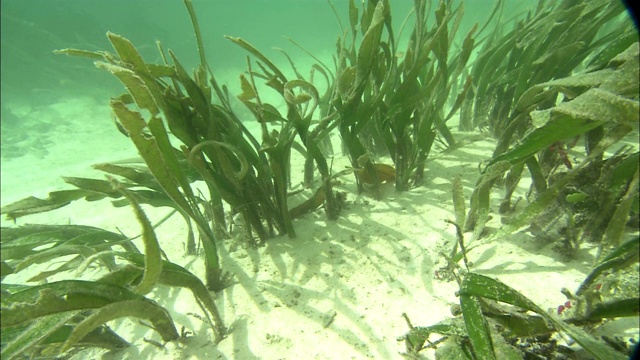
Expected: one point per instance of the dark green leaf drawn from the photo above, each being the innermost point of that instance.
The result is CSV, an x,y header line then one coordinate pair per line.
x,y
477,328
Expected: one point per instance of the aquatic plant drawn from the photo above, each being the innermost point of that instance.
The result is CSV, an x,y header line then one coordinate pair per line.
x,y
487,329
550,42
225,155
395,102
302,99
65,314
152,140
132,175
590,98
591,101
600,107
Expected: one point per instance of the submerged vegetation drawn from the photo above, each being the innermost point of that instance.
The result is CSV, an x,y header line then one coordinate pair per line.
x,y
565,124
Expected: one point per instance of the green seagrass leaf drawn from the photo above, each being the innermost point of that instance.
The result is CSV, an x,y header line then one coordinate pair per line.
x,y
56,200
57,297
71,265
197,94
157,71
170,159
5,270
477,327
615,308
137,174
97,185
128,53
101,336
483,286
143,309
255,52
53,253
600,106
369,46
95,55
558,127
152,252
271,114
454,348
347,82
25,338
619,258
163,163
20,242
150,152
177,276
135,85
458,201
353,17
615,229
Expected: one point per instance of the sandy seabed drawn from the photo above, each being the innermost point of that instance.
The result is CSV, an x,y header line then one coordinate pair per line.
x,y
336,291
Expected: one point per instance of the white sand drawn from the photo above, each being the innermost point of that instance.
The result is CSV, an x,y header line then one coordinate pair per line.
x,y
364,270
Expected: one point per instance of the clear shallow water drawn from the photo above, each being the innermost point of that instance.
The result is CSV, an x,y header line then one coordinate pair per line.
x,y
31,30
56,122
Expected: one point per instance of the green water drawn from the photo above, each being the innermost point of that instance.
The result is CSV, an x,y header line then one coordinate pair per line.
x,y
32,29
